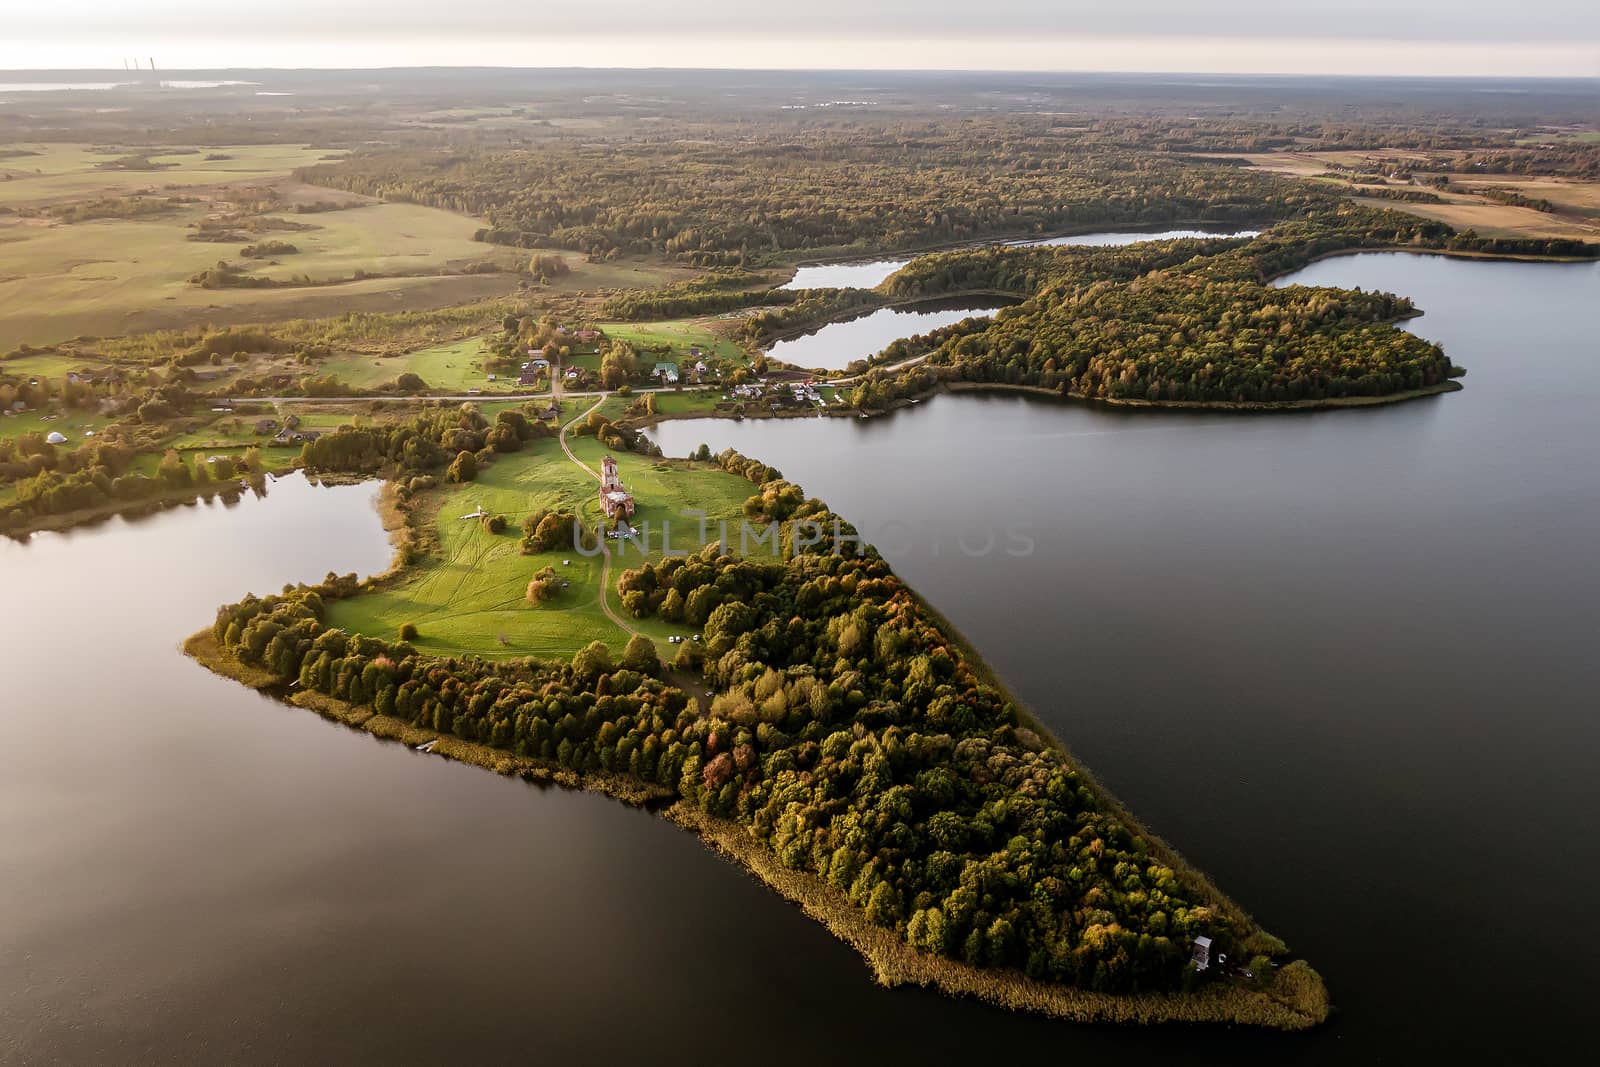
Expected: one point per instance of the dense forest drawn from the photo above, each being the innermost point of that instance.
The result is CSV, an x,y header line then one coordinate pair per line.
x,y
1178,321
872,186
848,734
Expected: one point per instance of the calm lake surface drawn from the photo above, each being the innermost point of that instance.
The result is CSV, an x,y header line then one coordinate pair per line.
x,y
1344,661
837,344
866,274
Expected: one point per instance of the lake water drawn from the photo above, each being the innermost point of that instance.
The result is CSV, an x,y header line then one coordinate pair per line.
x,y
838,344
865,274
1103,240
1342,660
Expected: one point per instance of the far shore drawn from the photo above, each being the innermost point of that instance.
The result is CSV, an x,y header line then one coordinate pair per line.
x,y
848,256
1448,253
862,310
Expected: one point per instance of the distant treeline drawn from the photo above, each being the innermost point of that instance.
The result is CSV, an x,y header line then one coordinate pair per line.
x,y
881,185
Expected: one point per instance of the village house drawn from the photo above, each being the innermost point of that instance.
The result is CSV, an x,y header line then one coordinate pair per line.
x,y
1200,956
667,372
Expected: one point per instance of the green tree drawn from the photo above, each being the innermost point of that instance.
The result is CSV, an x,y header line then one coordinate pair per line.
x,y
464,468
640,655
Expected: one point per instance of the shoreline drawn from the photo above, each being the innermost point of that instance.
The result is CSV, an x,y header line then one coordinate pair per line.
x,y
891,960
845,258
1448,253
1233,406
203,648
166,500
863,310
895,963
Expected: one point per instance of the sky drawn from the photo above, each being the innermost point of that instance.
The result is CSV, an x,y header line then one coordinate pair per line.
x,y
1421,37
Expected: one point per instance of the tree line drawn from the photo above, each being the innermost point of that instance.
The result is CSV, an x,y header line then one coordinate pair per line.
x,y
720,200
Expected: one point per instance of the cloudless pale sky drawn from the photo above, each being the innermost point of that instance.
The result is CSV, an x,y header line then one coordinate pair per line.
x,y
1465,37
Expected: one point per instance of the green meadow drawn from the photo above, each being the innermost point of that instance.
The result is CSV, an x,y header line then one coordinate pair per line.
x,y
679,335
469,597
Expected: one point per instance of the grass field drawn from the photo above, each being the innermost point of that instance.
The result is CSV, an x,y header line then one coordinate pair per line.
x,y
473,593
70,171
50,364
1490,219
71,425
455,367
1578,202
112,276
679,334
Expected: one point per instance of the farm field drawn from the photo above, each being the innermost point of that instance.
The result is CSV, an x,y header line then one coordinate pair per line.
x,y
1490,219
1578,202
472,594
112,276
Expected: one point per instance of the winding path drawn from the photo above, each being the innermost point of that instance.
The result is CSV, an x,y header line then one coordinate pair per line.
x,y
605,549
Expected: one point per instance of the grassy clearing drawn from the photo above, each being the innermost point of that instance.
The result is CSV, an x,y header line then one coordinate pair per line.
x,y
679,335
471,592
688,402
71,425
455,367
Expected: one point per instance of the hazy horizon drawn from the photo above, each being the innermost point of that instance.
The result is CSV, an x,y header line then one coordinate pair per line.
x,y
1538,38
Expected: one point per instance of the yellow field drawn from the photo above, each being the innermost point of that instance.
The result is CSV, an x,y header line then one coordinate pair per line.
x,y
1578,201
69,172
1490,219
111,276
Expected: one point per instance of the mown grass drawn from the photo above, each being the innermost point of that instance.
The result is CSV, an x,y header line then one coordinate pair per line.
x,y
71,425
679,334
469,595
454,367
